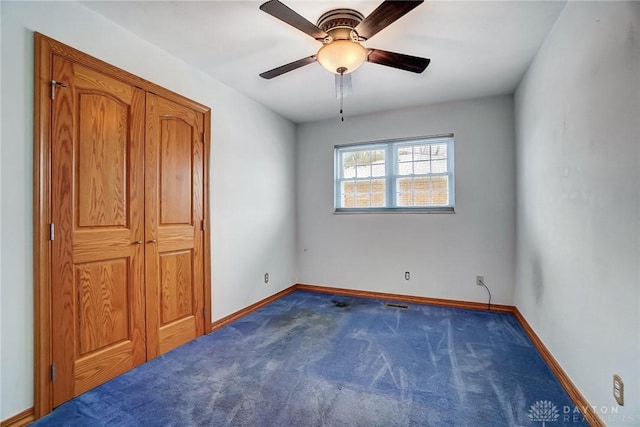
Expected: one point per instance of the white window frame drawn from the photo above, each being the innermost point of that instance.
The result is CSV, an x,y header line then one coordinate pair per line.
x,y
391,174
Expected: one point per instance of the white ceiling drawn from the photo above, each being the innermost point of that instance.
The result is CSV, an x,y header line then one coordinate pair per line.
x,y
477,48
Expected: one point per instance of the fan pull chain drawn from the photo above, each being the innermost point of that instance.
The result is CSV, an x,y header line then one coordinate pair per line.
x,y
341,70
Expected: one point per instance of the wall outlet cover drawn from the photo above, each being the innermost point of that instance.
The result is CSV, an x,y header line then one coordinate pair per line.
x,y
618,390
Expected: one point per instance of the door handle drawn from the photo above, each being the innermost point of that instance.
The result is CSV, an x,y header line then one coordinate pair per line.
x,y
152,241
137,242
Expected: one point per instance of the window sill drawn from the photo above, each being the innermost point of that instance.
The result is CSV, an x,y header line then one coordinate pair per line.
x,y
444,210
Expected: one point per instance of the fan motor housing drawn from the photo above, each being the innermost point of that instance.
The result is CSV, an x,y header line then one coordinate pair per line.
x,y
340,23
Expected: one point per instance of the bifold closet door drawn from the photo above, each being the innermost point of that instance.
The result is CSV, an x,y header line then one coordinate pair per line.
x,y
119,222
174,211
97,261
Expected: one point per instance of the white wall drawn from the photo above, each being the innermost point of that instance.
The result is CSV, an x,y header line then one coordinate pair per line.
x,y
443,252
253,188
1,209
578,148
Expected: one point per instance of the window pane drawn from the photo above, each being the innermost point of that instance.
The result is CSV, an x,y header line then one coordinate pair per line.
x,y
363,157
440,199
405,168
421,184
421,168
421,199
404,185
348,159
363,171
363,186
404,192
404,154
363,200
378,186
378,156
378,200
404,199
378,168
347,198
438,151
348,201
348,165
421,152
349,172
440,183
439,166
348,186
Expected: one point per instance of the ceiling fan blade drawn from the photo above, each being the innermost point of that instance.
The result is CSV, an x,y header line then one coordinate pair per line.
x,y
415,64
288,67
385,14
285,14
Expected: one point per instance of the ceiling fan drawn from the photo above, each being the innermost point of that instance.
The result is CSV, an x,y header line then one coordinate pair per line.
x,y
341,31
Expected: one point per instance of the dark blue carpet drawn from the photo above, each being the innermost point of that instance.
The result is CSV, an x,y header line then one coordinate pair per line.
x,y
311,359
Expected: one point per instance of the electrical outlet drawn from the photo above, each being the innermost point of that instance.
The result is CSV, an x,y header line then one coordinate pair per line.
x,y
479,280
618,389
407,275
266,277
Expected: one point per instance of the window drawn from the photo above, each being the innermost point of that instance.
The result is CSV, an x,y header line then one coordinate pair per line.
x,y
395,176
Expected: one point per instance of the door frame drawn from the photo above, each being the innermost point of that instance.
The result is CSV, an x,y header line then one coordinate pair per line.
x,y
45,48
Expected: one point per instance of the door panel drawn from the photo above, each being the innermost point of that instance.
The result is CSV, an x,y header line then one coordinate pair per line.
x,y
176,286
174,216
176,195
103,315
102,192
97,281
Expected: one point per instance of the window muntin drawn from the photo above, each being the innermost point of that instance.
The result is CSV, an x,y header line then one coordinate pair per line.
x,y
400,175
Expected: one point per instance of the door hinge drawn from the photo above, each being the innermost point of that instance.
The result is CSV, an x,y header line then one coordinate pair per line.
x,y
52,231
53,372
55,84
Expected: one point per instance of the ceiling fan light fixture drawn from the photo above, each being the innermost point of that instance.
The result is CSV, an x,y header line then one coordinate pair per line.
x,y
342,54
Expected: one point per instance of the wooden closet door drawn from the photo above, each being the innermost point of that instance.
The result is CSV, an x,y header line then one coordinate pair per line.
x,y
174,182
97,261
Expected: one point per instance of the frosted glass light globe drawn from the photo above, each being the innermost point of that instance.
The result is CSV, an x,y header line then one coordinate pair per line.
x,y
341,53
